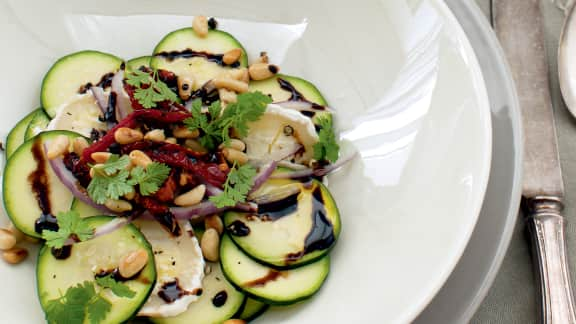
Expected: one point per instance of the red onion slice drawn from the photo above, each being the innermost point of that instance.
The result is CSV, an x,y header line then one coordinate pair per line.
x,y
320,172
101,98
263,175
197,212
302,106
123,104
70,181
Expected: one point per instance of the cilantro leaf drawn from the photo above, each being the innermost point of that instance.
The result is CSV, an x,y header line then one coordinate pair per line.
x,y
149,179
98,310
249,107
76,304
150,90
327,147
115,164
237,186
103,187
119,289
69,224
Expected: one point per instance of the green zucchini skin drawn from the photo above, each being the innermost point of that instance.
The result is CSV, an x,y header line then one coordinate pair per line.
x,y
272,87
200,69
63,81
277,238
17,135
54,276
19,199
204,310
284,287
37,125
137,63
252,309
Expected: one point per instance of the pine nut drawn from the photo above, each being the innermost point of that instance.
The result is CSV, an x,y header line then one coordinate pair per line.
x,y
7,239
117,205
125,135
233,155
235,144
210,245
262,71
214,221
263,58
230,84
191,197
200,26
58,147
240,74
100,157
183,179
131,195
132,263
16,232
195,146
155,135
227,96
234,321
79,145
232,56
15,255
94,168
171,140
184,132
139,158
185,86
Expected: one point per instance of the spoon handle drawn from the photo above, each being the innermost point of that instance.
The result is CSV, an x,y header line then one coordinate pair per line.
x,y
546,225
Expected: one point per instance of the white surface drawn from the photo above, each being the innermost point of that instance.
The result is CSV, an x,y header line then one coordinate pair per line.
x,y
409,95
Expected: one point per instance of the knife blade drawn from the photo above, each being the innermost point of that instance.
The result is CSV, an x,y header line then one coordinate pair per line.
x,y
518,25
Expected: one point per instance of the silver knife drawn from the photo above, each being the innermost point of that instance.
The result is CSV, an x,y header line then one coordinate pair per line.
x,y
518,24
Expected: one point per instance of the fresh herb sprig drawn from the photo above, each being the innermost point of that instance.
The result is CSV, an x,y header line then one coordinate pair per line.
x,y
217,125
84,300
112,180
327,147
70,224
237,186
150,90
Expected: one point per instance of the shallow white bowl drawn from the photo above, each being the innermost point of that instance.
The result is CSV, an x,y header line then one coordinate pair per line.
x,y
409,96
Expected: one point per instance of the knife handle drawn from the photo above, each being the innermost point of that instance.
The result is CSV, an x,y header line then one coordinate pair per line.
x,y
546,226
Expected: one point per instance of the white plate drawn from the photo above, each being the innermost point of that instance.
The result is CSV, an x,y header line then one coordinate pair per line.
x,y
470,281
409,94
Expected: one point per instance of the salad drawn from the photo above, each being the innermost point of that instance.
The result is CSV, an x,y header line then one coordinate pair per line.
x,y
181,187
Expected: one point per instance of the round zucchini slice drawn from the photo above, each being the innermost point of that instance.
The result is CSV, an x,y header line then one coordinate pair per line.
x,y
37,125
283,88
252,309
98,257
17,135
83,209
185,54
70,74
288,233
274,287
219,301
137,63
29,183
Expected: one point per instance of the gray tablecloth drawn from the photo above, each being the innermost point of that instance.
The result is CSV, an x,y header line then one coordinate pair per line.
x,y
512,298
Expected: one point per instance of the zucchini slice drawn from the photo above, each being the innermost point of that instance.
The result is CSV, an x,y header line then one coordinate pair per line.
x,y
283,87
37,125
28,180
252,309
88,259
17,135
83,209
219,301
269,285
138,62
185,54
69,76
290,232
